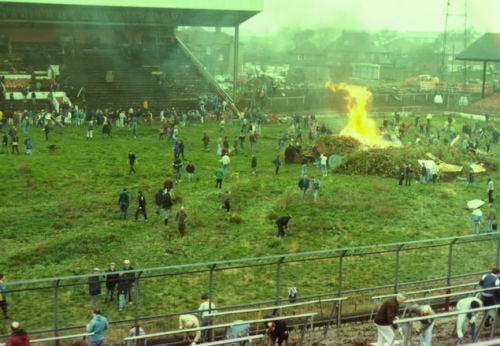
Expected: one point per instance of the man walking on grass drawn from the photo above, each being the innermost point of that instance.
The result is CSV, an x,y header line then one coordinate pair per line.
x,y
141,208
254,164
219,175
282,223
123,202
277,164
303,186
181,218
131,161
225,160
315,188
226,201
177,166
190,171
167,204
490,188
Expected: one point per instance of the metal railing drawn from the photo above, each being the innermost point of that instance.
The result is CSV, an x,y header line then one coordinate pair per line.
x,y
232,341
340,272
437,316
208,77
58,338
377,300
308,321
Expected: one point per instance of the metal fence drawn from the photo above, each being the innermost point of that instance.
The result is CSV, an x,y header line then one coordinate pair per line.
x,y
319,99
62,303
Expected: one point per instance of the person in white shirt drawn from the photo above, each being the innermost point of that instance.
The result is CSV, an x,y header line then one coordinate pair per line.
x,y
225,160
121,119
207,308
323,161
466,304
188,322
137,331
490,188
477,217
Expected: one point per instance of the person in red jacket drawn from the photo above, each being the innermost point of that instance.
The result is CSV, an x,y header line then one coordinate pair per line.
x,y
18,337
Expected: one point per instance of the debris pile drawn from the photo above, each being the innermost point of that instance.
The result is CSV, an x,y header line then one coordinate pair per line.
x,y
337,145
386,162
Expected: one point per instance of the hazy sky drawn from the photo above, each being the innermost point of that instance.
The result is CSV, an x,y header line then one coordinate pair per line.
x,y
404,15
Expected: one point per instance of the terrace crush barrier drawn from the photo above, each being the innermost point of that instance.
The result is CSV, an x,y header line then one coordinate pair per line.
x,y
377,269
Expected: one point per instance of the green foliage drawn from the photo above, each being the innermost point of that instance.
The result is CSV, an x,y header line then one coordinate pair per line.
x,y
336,145
385,162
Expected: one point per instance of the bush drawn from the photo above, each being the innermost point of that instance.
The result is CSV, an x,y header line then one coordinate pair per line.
x,y
287,198
234,218
337,145
385,162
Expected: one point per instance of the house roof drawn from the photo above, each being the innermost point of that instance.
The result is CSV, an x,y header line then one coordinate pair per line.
x,y
485,48
125,13
353,41
306,48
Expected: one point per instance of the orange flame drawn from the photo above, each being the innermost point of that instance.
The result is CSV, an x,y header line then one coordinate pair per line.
x,y
359,126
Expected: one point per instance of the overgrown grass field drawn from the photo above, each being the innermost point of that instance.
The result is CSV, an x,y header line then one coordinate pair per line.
x,y
59,216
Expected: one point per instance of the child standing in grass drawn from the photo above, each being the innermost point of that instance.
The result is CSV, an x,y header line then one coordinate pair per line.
x,y
254,164
181,218
28,145
5,142
90,130
277,164
315,188
205,141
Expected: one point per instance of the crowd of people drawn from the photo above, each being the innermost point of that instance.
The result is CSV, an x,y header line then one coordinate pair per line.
x,y
276,330
119,284
488,295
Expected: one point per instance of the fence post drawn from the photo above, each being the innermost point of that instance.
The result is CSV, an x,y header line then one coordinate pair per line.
x,y
210,332
396,268
278,279
340,276
137,305
450,261
56,310
498,252
210,284
448,274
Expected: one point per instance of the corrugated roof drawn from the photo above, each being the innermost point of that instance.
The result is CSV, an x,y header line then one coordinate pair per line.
x,y
485,48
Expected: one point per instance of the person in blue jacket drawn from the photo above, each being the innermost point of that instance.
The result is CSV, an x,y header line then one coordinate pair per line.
x,y
3,296
277,164
303,186
97,326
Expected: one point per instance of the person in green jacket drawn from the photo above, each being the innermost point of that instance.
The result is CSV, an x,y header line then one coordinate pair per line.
x,y
133,127
219,175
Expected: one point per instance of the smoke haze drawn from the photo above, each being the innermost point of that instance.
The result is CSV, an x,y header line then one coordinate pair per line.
x,y
400,15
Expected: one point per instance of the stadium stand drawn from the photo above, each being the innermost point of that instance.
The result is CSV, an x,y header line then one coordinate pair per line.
x,y
112,80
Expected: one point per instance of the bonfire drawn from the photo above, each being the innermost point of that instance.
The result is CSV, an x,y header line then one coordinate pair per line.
x,y
359,126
